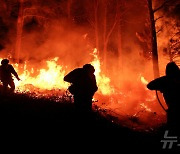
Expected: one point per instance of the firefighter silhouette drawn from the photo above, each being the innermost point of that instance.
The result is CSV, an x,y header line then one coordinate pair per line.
x,y
6,71
169,85
83,86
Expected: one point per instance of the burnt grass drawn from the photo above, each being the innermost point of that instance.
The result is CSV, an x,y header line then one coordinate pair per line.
x,y
29,120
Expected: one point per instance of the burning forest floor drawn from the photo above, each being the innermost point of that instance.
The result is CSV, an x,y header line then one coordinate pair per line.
x,y
52,119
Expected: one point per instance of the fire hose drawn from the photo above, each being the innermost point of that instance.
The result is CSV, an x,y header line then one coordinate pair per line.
x,y
160,102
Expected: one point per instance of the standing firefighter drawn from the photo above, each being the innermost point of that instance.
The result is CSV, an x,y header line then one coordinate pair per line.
x,y
83,86
6,71
169,85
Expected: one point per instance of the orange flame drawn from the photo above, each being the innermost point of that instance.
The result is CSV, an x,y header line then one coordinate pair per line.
x,y
129,100
52,77
103,82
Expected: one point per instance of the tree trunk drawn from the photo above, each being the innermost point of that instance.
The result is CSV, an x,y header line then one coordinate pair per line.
x,y
119,37
96,24
104,36
19,32
153,40
69,3
120,58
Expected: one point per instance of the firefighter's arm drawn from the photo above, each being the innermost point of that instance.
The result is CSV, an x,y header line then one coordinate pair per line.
x,y
157,84
14,73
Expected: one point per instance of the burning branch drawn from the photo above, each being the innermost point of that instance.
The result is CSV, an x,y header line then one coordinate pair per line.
x,y
161,6
158,18
159,30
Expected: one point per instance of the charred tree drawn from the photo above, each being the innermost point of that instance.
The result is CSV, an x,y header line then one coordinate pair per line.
x,y
104,34
93,14
69,7
152,20
173,47
19,32
33,13
96,3
119,35
153,40
172,29
69,3
108,29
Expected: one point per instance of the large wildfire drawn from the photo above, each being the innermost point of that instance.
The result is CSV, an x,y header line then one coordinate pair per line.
x,y
45,40
133,104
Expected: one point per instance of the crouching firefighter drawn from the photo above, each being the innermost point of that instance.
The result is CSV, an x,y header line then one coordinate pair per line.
x,y
83,86
6,71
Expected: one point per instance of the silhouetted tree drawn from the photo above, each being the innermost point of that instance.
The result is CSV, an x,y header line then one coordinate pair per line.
x,y
19,31
32,12
69,4
153,38
172,30
92,8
